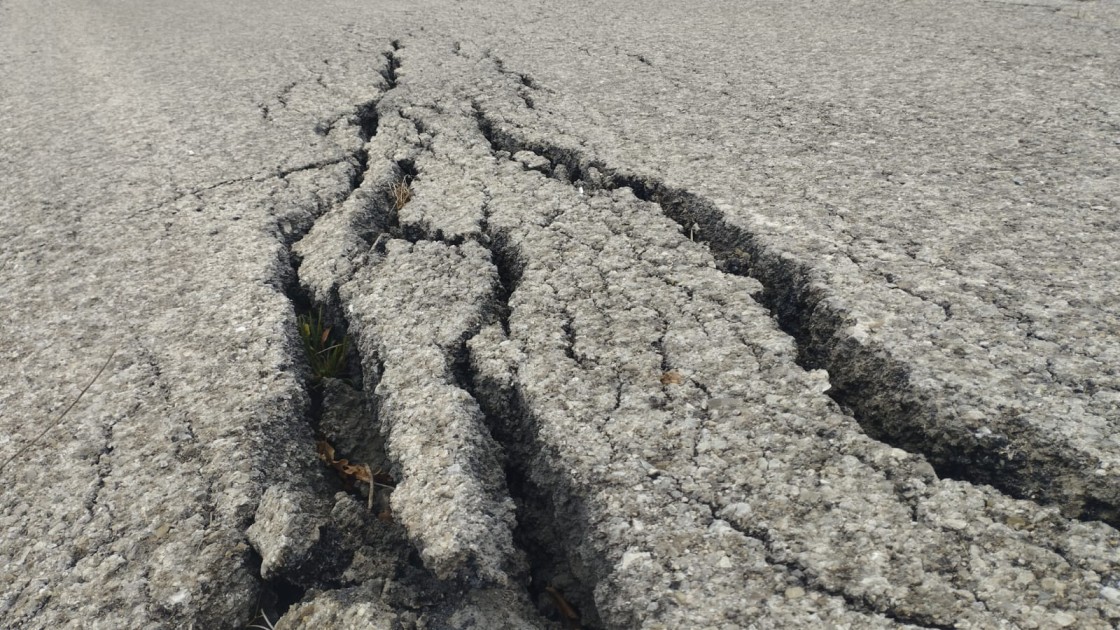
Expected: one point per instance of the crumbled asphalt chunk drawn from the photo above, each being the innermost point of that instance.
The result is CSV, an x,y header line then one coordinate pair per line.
x,y
451,497
349,425
362,607
336,245
353,608
294,537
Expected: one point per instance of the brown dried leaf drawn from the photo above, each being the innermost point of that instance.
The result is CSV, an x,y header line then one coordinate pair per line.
x,y
671,378
361,472
325,451
353,472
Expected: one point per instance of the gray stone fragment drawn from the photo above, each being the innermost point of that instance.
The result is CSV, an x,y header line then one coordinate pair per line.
x,y
350,426
451,497
448,201
295,538
354,608
532,161
362,607
493,608
338,242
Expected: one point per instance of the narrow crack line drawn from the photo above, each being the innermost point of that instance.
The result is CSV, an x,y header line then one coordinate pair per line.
x,y
190,193
279,174
310,166
809,580
640,59
524,79
1026,5
104,462
568,328
285,92
527,85
868,382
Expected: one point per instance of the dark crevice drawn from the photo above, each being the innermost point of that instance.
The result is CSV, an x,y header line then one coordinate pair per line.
x,y
549,521
367,120
509,273
351,375
284,93
526,83
389,72
642,59
388,202
281,592
537,530
866,381
539,533
276,597
524,79
408,170
570,338
1094,509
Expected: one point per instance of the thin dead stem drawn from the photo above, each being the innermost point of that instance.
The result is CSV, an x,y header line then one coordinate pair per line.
x,y
60,416
401,193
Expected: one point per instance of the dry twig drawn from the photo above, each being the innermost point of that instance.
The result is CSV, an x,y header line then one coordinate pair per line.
x,y
60,416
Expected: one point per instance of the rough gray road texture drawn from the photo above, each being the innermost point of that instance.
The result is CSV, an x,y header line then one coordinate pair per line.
x,y
663,315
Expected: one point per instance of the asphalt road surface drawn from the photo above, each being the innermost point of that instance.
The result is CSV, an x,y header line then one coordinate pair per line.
x,y
642,315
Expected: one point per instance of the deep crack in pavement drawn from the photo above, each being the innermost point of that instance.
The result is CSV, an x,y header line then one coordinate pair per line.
x,y
658,316
601,335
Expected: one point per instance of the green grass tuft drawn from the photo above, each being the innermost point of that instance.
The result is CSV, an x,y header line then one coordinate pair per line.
x,y
326,354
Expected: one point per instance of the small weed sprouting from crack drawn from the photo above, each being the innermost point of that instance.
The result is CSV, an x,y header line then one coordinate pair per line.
x,y
401,192
264,624
325,353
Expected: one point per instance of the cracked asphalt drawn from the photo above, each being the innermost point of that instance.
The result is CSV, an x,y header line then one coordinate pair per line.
x,y
694,315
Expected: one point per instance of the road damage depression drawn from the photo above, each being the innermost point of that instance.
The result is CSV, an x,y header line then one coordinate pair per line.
x,y
571,387
557,379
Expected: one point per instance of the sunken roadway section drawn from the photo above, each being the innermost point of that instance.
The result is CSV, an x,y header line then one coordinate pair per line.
x,y
668,460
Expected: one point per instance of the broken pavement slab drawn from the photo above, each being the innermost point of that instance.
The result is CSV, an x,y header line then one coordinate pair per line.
x,y
669,454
